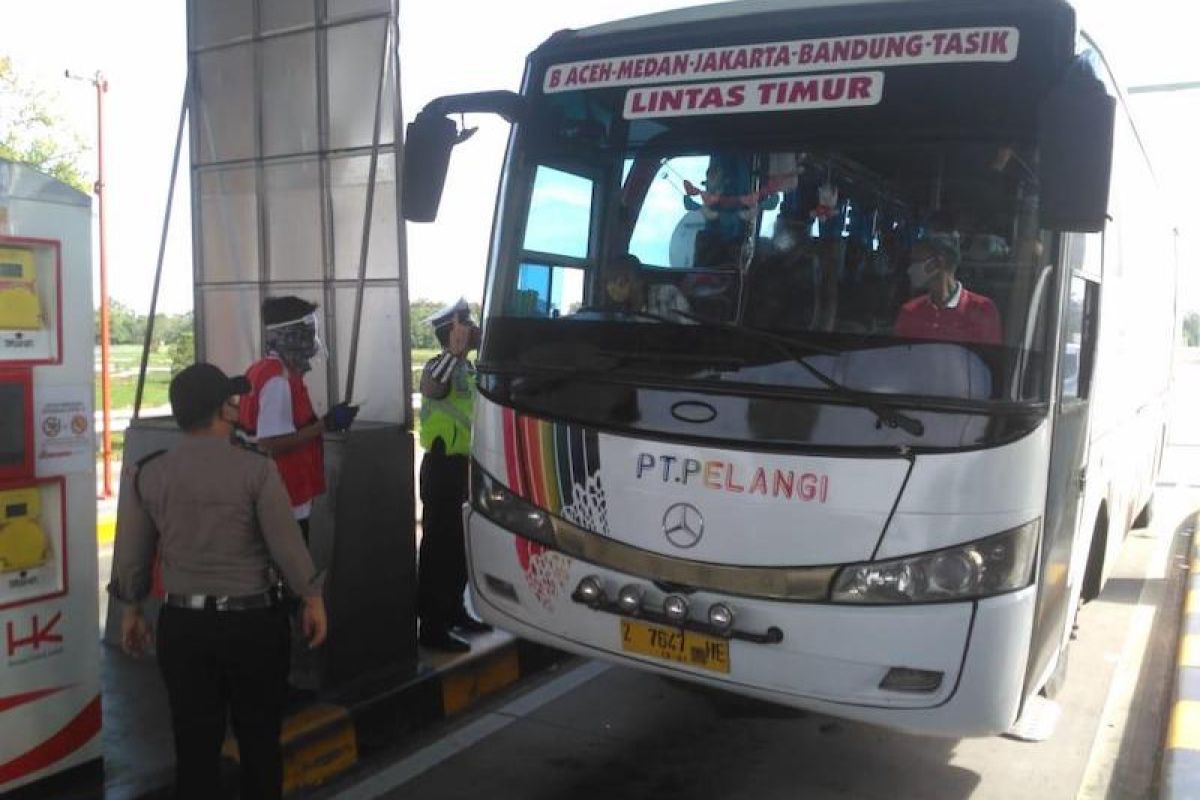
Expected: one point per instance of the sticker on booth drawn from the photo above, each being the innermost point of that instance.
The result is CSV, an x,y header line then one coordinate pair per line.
x,y
64,434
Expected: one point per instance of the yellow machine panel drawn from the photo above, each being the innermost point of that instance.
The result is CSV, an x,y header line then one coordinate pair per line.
x,y
20,308
23,543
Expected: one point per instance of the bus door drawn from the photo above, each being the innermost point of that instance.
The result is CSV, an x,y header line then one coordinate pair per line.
x,y
1080,294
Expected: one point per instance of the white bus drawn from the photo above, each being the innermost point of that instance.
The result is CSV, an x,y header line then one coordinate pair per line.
x,y
820,363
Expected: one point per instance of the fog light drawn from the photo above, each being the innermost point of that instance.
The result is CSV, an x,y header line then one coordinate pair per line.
x,y
720,616
675,608
590,590
630,598
906,679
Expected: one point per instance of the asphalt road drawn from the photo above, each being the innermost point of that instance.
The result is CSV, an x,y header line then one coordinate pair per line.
x,y
594,730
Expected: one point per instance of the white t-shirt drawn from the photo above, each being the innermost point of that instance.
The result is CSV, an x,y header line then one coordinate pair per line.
x,y
275,419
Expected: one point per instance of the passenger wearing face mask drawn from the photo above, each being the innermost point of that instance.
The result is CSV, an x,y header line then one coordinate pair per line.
x,y
947,310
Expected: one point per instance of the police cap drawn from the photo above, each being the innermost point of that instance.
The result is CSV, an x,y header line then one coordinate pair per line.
x,y
446,314
199,390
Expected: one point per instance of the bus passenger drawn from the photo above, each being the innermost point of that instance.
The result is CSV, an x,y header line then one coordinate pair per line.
x,y
623,284
947,311
625,289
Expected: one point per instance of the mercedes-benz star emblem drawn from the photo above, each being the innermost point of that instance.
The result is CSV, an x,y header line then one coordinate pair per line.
x,y
683,524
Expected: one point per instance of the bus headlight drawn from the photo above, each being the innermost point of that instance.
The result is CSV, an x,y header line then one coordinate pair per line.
x,y
494,500
999,563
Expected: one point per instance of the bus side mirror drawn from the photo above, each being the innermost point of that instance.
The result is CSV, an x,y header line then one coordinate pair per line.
x,y
1075,153
427,146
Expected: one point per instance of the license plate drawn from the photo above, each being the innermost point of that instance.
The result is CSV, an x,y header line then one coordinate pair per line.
x,y
673,644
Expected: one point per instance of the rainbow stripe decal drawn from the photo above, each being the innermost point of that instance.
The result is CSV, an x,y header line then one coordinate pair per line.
x,y
555,467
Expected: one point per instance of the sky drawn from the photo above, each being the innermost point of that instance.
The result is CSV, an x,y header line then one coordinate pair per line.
x,y
449,48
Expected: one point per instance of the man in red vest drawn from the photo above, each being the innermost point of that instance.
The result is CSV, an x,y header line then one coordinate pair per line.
x,y
278,412
279,415
946,310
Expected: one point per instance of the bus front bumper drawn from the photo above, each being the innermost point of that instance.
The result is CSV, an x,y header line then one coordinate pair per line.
x,y
832,659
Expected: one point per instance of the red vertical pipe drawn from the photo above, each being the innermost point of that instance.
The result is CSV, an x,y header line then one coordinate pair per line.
x,y
105,389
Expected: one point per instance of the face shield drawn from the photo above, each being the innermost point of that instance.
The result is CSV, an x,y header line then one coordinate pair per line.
x,y
297,341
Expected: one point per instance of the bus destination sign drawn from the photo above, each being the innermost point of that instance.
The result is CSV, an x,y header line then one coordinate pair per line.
x,y
943,46
837,90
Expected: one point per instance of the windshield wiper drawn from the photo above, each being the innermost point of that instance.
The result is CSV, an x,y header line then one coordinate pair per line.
x,y
564,361
885,414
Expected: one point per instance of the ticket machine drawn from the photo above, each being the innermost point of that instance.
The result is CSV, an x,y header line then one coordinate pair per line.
x,y
49,649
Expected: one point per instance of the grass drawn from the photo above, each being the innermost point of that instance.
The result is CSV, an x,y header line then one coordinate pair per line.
x,y
124,363
125,360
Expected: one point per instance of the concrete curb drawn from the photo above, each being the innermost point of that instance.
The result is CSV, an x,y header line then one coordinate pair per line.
x,y
1181,755
370,718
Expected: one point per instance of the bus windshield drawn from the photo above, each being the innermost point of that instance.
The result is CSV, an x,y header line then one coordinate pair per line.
x,y
888,250
748,253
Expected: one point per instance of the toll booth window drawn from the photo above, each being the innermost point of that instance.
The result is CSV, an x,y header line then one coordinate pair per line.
x,y
560,214
12,425
548,290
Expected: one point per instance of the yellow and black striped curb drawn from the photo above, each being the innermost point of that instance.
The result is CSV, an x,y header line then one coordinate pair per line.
x,y
326,739
1181,758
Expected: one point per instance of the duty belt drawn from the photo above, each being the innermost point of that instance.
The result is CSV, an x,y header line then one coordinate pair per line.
x,y
205,602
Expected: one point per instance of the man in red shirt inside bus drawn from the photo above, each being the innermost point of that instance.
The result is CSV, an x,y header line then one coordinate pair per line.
x,y
947,311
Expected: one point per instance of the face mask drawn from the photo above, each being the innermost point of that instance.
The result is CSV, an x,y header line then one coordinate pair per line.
x,y
918,274
231,414
297,342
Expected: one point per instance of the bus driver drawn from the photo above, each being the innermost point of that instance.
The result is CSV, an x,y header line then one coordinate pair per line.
x,y
947,311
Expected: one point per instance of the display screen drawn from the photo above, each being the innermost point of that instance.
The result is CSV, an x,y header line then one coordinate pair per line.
x,y
10,270
12,424
16,510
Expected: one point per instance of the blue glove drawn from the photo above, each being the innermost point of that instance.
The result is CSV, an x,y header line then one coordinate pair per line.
x,y
340,417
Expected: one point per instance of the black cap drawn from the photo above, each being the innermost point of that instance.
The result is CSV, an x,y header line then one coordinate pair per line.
x,y
199,390
278,310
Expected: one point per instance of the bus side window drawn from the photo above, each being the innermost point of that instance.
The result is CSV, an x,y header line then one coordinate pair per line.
x,y
560,213
548,290
1079,344
556,245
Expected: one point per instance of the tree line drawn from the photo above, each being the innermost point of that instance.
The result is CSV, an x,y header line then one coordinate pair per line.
x,y
173,333
127,326
33,130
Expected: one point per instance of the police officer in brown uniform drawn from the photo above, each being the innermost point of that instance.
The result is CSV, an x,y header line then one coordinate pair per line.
x,y
220,519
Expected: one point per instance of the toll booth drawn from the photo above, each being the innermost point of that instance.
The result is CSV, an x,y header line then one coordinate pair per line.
x,y
293,118
49,661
